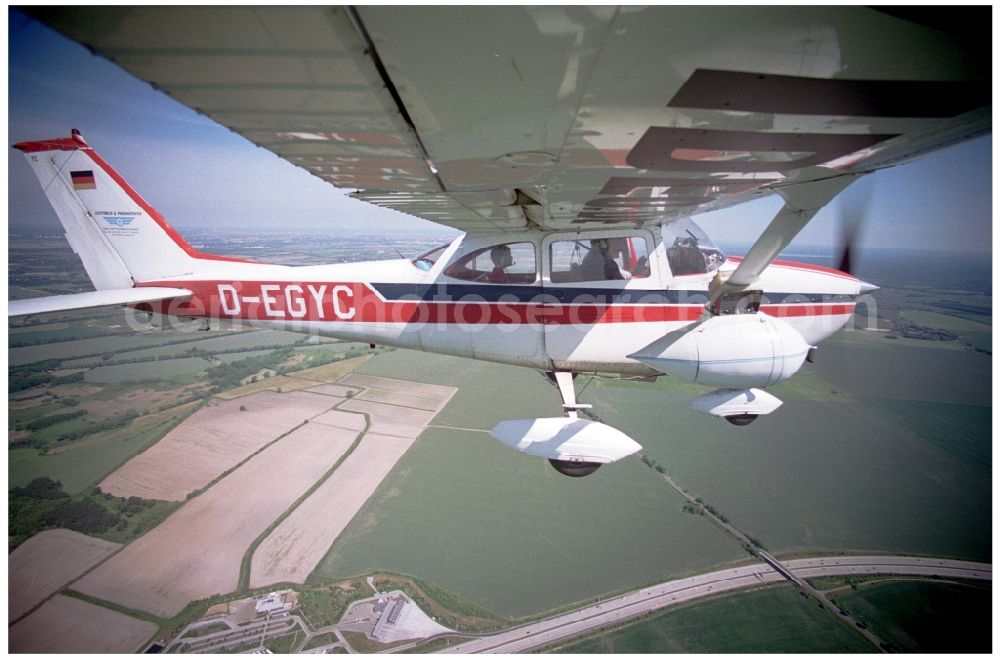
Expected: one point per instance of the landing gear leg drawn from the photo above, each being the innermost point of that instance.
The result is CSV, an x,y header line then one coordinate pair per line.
x,y
564,381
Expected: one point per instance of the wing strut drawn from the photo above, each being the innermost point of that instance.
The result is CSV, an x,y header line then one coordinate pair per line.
x,y
802,201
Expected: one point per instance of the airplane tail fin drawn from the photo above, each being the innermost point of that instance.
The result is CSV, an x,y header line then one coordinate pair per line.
x,y
119,237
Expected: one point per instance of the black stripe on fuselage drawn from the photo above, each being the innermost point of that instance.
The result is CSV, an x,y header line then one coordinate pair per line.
x,y
508,294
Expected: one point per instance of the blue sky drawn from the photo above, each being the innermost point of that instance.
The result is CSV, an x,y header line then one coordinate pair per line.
x,y
199,174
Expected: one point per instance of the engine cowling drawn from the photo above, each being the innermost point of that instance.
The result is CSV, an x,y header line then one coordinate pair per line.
x,y
733,351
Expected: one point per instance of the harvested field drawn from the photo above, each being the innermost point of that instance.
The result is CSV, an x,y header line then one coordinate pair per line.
x,y
332,372
390,397
211,441
278,383
338,419
392,419
69,626
197,551
331,390
40,566
403,386
298,544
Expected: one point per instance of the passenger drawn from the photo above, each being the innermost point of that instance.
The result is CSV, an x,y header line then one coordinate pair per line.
x,y
597,265
502,259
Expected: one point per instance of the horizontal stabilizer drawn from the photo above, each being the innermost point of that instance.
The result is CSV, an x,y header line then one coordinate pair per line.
x,y
92,299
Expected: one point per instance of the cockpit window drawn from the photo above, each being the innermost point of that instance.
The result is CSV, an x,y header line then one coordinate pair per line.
x,y
689,250
599,259
425,261
500,263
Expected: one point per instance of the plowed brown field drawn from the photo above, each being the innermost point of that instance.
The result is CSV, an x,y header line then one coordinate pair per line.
x,y
210,442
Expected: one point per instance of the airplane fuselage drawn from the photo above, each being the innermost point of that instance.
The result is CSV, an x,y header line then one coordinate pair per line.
x,y
544,324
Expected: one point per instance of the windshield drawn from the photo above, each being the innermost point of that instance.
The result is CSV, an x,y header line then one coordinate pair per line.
x,y
689,250
425,261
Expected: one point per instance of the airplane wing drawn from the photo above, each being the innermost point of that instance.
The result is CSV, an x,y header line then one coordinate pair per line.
x,y
92,299
559,117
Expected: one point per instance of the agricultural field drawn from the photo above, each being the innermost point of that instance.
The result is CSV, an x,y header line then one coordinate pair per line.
x,y
197,551
775,620
845,471
46,562
96,346
85,463
880,474
210,442
298,543
921,616
153,371
459,502
883,445
209,342
65,625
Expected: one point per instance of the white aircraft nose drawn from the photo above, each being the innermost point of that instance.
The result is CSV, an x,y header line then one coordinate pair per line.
x,y
864,287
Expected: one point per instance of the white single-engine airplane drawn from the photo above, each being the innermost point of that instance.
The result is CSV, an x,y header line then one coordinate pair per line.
x,y
569,144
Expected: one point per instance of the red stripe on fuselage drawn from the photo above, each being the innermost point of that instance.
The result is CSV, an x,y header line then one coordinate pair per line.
x,y
358,302
805,266
806,310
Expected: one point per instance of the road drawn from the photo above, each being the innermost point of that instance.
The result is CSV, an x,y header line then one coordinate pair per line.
x,y
251,634
538,634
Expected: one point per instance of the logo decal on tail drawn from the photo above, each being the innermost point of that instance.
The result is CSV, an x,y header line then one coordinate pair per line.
x,y
118,220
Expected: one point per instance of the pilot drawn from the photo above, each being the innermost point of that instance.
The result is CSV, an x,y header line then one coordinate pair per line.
x,y
685,257
502,259
598,265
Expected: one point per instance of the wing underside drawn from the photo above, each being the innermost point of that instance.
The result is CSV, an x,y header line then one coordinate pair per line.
x,y
502,118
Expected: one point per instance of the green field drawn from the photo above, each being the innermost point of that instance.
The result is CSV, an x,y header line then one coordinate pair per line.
x,y
81,466
94,346
925,371
21,416
29,336
149,370
504,530
774,620
210,341
230,357
878,474
941,321
920,616
832,470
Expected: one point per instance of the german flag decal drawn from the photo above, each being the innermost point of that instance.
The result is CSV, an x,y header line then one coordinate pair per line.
x,y
82,179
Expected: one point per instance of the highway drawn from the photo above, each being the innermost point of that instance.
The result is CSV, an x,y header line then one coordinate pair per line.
x,y
630,606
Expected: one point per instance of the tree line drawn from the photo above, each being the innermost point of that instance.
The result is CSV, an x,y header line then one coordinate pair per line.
x,y
43,504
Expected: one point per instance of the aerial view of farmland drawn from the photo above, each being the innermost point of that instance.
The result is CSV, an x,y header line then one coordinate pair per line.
x,y
167,483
